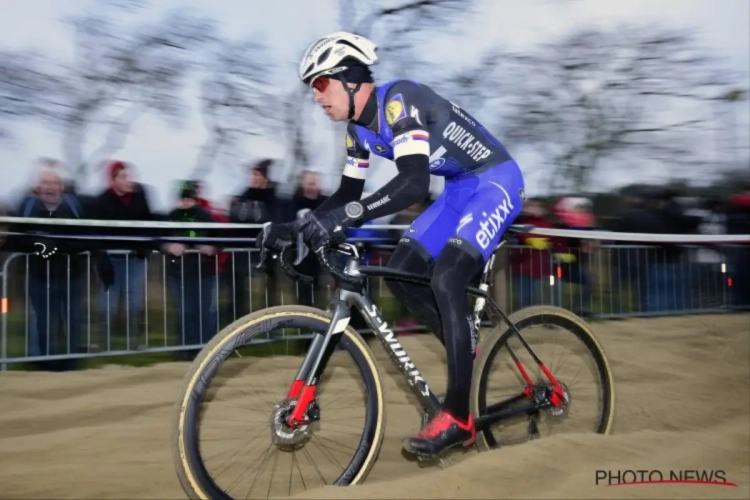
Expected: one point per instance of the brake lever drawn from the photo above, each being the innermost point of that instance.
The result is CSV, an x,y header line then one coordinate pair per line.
x,y
322,254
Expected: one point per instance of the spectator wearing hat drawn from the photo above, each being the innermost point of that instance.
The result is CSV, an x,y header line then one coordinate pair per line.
x,y
191,271
257,204
123,276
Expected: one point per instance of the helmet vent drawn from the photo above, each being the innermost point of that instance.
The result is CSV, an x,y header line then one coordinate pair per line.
x,y
349,44
324,55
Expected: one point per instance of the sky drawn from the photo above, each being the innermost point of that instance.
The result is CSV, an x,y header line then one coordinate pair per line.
x,y
163,153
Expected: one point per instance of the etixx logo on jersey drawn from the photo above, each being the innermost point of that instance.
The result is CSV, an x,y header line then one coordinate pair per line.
x,y
493,221
395,109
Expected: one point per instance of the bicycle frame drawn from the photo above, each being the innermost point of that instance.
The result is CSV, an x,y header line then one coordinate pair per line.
x,y
347,296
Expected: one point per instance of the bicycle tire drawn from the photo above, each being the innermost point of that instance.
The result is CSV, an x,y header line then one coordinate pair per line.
x,y
535,315
191,472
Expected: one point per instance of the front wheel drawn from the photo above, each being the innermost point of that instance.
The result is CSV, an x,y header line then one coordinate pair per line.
x,y
552,378
338,445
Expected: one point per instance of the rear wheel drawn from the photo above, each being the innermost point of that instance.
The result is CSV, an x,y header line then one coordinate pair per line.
x,y
338,446
507,374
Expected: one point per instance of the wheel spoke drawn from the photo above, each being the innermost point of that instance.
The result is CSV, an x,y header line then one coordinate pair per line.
x,y
257,450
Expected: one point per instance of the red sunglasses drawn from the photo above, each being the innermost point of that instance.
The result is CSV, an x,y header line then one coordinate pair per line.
x,y
321,83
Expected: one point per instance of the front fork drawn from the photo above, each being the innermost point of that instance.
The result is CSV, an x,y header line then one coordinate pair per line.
x,y
305,383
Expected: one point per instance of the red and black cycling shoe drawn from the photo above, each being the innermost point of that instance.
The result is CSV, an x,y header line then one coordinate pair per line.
x,y
442,433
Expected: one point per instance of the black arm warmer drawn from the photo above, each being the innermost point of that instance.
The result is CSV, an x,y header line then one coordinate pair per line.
x,y
350,189
411,185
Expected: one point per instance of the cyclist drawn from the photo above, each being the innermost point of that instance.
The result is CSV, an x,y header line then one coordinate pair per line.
x,y
424,134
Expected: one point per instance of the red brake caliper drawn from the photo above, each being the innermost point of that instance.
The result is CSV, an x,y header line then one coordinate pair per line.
x,y
305,394
557,396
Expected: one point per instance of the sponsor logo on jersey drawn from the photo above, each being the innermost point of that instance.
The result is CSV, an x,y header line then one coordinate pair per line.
x,y
356,162
395,109
416,135
436,164
466,141
380,149
413,142
382,201
349,142
414,113
464,220
460,113
493,221
522,195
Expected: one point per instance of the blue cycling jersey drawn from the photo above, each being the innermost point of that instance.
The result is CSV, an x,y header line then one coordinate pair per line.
x,y
409,111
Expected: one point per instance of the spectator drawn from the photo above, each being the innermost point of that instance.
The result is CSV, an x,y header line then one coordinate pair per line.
x,y
308,197
256,205
216,216
706,260
56,270
628,256
123,276
192,276
665,276
531,265
738,222
575,213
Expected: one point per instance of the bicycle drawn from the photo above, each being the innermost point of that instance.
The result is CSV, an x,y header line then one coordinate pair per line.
x,y
294,418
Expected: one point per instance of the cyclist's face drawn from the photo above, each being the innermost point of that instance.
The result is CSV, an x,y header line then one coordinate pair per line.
x,y
332,97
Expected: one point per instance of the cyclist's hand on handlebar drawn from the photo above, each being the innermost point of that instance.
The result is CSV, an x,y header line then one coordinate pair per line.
x,y
329,228
276,236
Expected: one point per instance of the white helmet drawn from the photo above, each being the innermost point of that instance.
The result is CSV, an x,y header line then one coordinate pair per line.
x,y
325,55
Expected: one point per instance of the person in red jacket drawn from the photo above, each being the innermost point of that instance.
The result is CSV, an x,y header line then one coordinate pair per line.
x,y
531,265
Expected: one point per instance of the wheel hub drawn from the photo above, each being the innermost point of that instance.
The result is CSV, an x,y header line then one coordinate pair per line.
x,y
288,438
564,408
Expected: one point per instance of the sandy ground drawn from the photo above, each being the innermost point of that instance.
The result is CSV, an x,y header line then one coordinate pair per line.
x,y
683,402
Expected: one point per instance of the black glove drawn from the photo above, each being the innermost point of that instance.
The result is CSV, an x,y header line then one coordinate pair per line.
x,y
44,249
277,236
329,228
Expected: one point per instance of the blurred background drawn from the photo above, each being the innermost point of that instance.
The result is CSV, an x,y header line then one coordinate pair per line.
x,y
629,116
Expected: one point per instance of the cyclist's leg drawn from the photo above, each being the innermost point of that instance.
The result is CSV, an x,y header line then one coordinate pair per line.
x,y
417,249
494,206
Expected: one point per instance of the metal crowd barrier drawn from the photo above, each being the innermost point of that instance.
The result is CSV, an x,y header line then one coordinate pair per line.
x,y
165,304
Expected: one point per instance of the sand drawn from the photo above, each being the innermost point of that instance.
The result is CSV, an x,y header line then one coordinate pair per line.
x,y
683,402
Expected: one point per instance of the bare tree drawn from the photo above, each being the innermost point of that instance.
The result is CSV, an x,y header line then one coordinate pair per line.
x,y
236,100
598,95
23,87
121,70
